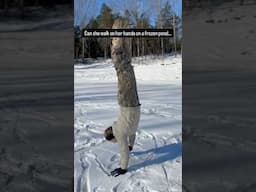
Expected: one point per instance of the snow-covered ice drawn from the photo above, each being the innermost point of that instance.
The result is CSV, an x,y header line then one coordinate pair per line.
x,y
155,163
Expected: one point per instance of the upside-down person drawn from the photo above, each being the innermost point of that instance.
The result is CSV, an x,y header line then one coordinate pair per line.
x,y
123,131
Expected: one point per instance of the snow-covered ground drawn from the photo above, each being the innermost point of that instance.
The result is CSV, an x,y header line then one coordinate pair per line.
x,y
155,163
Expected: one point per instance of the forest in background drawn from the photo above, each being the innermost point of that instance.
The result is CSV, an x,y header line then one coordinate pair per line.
x,y
136,19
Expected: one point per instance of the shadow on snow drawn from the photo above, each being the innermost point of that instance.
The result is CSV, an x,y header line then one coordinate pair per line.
x,y
167,153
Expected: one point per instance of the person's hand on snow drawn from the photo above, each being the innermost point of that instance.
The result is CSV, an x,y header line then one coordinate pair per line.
x,y
118,171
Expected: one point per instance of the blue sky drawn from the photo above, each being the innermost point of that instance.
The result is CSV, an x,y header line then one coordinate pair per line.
x,y
86,9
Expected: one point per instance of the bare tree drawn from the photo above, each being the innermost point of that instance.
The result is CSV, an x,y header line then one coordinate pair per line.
x,y
140,12
85,10
174,26
135,11
160,25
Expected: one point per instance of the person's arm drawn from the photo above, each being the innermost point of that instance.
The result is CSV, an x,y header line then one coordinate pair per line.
x,y
124,153
131,141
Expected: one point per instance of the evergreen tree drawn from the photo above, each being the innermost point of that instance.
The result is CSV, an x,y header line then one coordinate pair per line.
x,y
168,19
105,18
105,21
164,19
94,49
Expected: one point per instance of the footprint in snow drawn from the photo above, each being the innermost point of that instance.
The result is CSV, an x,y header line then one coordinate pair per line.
x,y
113,158
99,189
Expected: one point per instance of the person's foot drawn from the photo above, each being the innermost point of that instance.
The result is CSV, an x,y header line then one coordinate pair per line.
x,y
130,148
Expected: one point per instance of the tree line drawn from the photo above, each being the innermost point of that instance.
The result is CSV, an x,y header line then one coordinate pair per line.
x,y
139,46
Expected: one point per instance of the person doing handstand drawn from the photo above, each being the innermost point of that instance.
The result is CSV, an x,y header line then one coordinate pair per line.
x,y
123,131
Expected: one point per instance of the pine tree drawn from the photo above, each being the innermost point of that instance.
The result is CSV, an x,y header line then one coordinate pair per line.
x,y
105,20
93,47
168,19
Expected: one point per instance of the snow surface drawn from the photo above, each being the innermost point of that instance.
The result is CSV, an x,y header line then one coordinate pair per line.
x,y
227,42
155,163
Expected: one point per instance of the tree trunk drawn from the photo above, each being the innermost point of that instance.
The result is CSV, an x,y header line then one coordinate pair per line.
x,y
130,46
162,46
105,52
89,49
134,48
105,47
174,35
143,46
83,52
138,47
